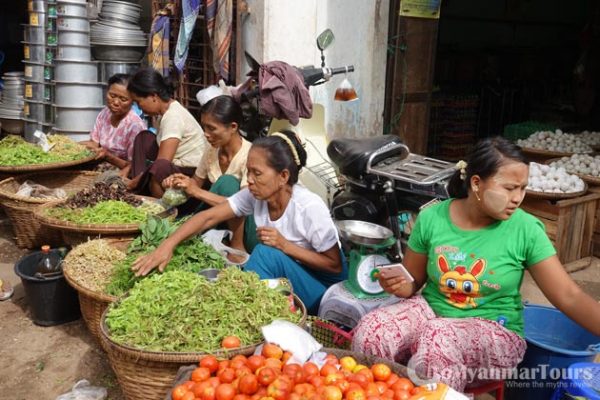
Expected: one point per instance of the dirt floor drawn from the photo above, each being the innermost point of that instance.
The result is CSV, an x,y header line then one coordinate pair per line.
x,y
44,362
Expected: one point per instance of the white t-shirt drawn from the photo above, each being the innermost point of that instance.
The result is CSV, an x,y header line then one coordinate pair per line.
x,y
178,123
306,221
209,165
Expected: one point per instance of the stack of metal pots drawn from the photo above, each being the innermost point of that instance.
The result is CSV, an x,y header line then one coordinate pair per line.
x,y
78,90
39,49
11,103
117,36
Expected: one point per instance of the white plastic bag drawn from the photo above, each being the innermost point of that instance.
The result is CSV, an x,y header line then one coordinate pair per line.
x,y
83,391
292,338
32,189
42,141
215,237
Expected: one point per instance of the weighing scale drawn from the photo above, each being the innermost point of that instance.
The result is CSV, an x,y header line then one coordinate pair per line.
x,y
370,243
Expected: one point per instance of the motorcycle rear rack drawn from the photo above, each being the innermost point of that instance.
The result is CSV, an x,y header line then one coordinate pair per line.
x,y
412,172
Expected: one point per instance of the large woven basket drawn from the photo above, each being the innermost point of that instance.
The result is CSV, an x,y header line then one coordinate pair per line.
x,y
74,234
184,374
148,375
22,169
29,232
93,304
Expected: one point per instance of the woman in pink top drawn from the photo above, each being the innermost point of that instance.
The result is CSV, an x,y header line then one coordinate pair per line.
x,y
116,126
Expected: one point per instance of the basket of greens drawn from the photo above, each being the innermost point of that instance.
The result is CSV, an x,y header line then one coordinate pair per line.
x,y
169,320
104,210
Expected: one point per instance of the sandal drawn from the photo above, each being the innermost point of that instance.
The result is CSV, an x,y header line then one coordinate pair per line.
x,y
6,290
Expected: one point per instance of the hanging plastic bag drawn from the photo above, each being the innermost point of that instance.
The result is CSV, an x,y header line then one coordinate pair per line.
x,y
215,237
32,189
173,198
83,391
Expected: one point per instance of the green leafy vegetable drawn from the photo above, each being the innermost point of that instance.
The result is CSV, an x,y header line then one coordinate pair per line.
x,y
105,212
15,151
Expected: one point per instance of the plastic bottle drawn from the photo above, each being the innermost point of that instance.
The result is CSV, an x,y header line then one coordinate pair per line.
x,y
49,263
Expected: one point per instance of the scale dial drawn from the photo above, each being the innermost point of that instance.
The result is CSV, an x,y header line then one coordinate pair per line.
x,y
364,273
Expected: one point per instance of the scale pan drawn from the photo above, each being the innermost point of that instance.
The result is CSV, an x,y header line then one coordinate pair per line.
x,y
361,232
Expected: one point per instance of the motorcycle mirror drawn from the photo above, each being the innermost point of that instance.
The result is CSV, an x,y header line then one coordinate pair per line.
x,y
325,39
254,65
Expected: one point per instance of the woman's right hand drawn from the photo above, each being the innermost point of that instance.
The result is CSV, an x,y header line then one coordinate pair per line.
x,y
169,181
396,285
158,258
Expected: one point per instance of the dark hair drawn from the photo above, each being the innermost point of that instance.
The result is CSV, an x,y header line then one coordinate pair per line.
x,y
147,81
225,109
484,160
280,156
119,79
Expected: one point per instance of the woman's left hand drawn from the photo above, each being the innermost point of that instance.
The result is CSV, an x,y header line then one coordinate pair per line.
x,y
271,237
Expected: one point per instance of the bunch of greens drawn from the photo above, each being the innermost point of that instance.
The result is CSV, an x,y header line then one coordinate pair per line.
x,y
181,311
104,212
193,255
15,151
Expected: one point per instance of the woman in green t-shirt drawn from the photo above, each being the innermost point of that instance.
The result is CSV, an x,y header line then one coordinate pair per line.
x,y
470,253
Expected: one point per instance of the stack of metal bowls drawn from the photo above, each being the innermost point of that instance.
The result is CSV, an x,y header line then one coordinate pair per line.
x,y
11,104
78,96
117,35
39,50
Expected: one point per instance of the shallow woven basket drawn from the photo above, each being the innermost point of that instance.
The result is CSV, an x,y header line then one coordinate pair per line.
x,y
29,232
93,304
184,374
74,234
20,169
148,375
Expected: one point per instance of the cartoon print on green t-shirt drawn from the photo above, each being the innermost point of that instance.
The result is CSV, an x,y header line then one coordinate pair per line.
x,y
460,286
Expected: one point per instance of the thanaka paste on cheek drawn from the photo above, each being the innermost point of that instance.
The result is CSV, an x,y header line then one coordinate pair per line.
x,y
495,201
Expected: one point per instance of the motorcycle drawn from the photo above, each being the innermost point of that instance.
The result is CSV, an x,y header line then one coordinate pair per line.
x,y
385,183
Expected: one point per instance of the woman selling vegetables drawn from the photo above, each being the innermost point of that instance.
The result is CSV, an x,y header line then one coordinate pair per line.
x,y
116,126
179,143
223,165
299,239
471,252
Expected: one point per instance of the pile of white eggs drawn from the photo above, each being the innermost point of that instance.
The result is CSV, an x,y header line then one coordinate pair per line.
x,y
556,141
549,179
583,164
591,138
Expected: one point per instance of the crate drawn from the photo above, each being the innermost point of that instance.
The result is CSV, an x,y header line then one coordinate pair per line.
x,y
596,232
570,224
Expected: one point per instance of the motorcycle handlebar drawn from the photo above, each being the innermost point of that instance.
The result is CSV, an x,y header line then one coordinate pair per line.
x,y
313,76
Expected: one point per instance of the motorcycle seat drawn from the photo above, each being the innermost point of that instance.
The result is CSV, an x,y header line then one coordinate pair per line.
x,y
351,155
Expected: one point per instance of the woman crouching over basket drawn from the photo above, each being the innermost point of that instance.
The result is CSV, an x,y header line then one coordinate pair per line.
x,y
299,238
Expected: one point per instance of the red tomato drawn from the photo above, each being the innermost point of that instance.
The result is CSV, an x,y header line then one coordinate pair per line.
x,y
231,342
271,350
280,388
403,384
266,375
224,391
248,384
210,362
255,362
226,375
188,396
402,394
200,374
178,392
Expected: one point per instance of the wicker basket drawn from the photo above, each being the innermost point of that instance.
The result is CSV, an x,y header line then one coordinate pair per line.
x,y
28,231
148,375
93,304
74,234
184,374
23,169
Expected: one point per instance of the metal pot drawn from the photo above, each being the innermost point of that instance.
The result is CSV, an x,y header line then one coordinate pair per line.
x,y
78,94
117,53
73,24
14,126
74,53
34,34
37,72
38,111
75,119
108,69
73,38
38,91
38,53
38,19
37,6
76,71
71,9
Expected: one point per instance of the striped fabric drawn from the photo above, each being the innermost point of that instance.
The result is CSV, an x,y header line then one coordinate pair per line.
x,y
188,21
219,16
158,46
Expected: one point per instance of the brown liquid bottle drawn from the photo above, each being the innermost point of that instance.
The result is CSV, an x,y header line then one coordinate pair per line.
x,y
49,263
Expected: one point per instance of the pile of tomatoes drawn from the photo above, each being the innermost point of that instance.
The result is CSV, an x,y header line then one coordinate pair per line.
x,y
268,377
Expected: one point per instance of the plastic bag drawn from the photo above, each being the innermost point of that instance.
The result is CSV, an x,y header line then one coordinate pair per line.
x,y
83,391
290,337
173,198
32,189
42,141
215,237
